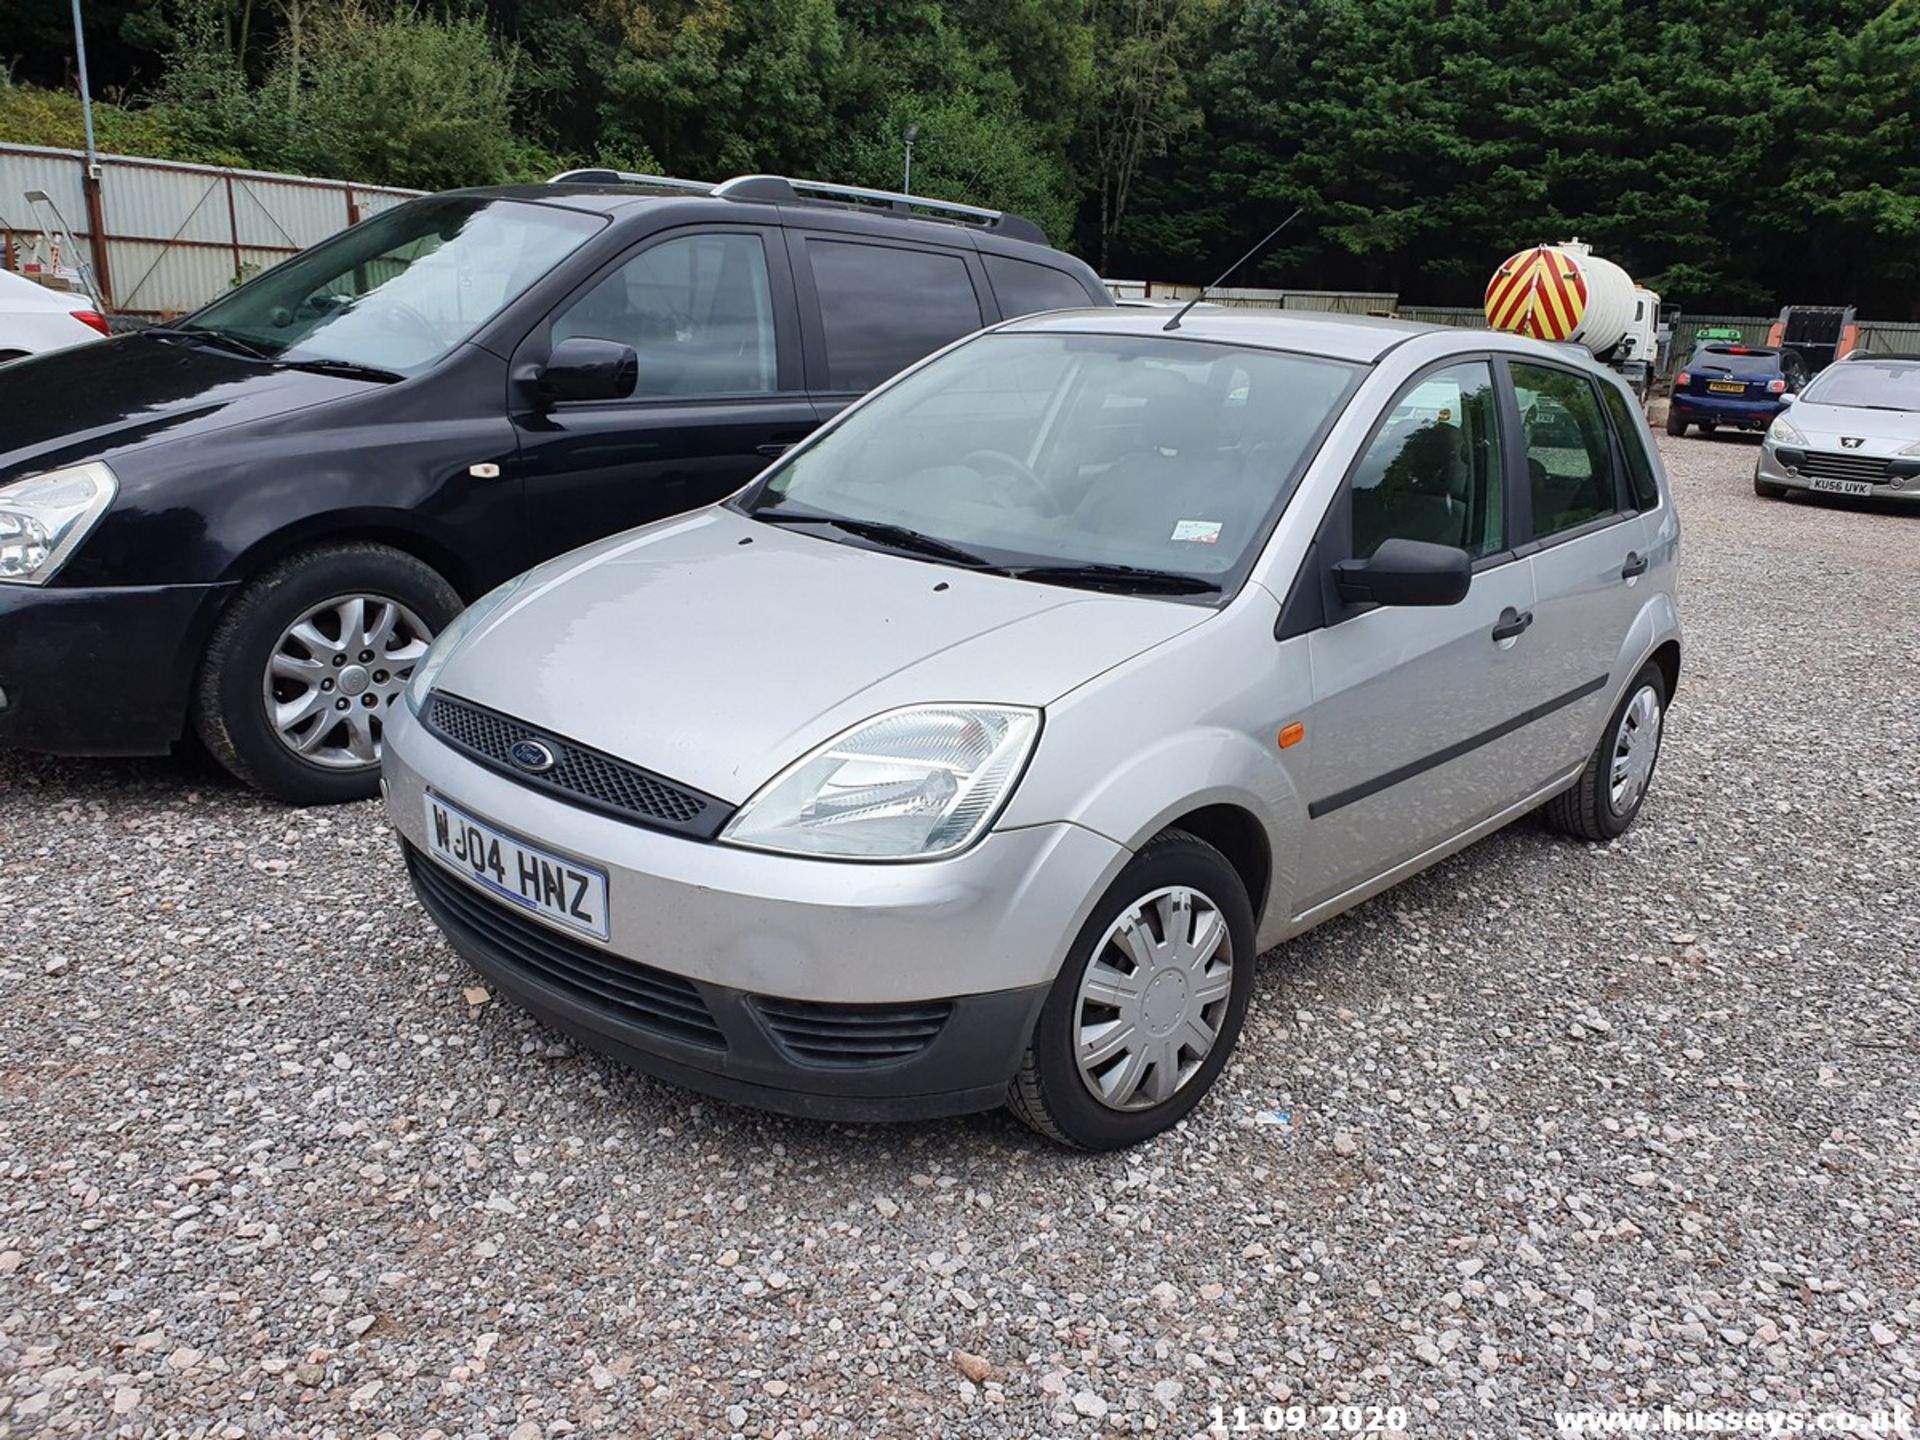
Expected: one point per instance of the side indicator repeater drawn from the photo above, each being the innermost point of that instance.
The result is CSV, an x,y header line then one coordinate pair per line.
x,y
1292,734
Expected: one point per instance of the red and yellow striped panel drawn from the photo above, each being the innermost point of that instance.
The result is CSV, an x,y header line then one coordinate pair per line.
x,y
1539,292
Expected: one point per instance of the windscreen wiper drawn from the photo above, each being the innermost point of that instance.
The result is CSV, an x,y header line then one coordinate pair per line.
x,y
1116,577
220,339
349,369
898,537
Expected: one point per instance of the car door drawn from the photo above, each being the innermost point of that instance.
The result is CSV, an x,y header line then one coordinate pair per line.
x,y
1413,707
1582,533
871,306
709,312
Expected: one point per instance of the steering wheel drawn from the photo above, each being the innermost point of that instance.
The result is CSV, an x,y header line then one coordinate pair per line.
x,y
1018,469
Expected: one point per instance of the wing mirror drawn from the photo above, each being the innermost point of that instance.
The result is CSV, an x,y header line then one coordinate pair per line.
x,y
582,368
1787,398
1406,572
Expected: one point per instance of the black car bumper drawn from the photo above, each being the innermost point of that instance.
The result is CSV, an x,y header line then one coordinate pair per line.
x,y
948,1056
98,672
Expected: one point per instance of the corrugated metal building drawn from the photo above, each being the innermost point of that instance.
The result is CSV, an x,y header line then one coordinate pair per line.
x,y
176,235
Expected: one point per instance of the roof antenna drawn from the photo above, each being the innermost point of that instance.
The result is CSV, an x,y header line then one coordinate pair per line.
x,y
1174,323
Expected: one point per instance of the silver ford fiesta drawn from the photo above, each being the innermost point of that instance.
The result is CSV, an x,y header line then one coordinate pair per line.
x,y
972,754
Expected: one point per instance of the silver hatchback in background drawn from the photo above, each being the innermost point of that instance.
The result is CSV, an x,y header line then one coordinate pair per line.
x,y
1854,431
974,752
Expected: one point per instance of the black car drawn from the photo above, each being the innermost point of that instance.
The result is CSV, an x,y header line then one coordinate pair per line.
x,y
251,522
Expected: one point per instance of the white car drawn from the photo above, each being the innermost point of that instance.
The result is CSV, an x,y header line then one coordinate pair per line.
x,y
1855,430
34,319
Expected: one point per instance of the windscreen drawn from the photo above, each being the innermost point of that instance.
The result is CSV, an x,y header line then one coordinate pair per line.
x,y
1741,364
1862,383
1026,448
404,288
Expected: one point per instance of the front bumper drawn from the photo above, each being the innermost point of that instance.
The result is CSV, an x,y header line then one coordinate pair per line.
x,y
1897,488
98,672
741,974
1739,413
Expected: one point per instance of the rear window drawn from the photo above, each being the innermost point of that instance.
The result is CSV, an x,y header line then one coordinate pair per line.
x,y
1747,364
1023,287
883,307
1646,490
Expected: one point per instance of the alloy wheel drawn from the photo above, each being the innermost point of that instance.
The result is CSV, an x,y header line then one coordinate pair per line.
x,y
1153,999
1636,745
334,674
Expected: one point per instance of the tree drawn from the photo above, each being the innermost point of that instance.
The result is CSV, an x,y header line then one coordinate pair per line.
x,y
1140,101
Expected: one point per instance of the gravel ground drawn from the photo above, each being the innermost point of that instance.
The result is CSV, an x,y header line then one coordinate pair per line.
x,y
1552,1125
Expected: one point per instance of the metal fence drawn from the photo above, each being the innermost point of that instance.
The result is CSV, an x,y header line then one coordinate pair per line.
x,y
172,236
1345,302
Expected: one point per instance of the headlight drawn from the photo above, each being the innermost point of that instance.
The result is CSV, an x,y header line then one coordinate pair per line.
x,y
911,784
420,683
44,518
1784,432
1913,449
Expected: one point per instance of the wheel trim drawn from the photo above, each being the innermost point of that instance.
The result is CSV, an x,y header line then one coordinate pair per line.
x,y
334,674
1153,998
1636,745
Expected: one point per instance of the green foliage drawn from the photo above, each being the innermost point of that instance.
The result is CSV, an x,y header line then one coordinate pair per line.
x,y
394,99
32,116
1729,156
1732,156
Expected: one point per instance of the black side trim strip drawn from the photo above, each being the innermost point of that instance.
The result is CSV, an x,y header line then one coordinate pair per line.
x,y
1339,800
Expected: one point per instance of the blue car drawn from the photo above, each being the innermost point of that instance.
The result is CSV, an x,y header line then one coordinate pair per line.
x,y
1734,385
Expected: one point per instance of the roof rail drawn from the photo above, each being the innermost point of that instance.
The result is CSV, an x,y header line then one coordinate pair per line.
x,y
599,176
779,190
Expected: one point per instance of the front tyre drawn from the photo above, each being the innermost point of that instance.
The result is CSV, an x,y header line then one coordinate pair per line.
x,y
308,663
1611,789
1142,1017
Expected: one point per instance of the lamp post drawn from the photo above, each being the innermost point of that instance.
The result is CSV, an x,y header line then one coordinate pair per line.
x,y
906,181
90,179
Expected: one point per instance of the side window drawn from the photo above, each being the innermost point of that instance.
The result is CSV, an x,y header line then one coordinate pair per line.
x,y
1570,469
1640,479
698,310
1432,471
1023,287
882,307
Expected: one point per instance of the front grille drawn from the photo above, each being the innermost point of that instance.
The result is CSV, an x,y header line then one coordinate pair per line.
x,y
852,1035
582,775
1837,465
621,990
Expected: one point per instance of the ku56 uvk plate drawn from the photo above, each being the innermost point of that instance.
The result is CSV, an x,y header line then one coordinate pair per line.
x,y
1840,487
491,859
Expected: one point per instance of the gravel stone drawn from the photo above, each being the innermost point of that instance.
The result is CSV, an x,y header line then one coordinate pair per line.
x,y
256,1104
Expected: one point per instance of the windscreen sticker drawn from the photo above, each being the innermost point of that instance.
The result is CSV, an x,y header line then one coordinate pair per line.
x,y
1199,532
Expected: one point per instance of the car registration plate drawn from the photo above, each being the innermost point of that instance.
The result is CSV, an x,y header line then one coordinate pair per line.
x,y
1721,387
536,880
1841,487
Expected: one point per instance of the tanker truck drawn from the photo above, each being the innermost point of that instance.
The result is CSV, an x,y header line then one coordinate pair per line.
x,y
1566,293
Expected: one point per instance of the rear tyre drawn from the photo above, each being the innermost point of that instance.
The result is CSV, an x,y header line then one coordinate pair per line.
x,y
1607,797
1142,1017
1767,490
308,662
1675,425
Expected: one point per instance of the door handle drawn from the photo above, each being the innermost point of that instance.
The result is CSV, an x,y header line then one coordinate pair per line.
x,y
774,451
1636,565
1513,624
